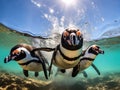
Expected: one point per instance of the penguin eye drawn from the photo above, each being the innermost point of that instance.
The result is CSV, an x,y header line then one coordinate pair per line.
x,y
65,34
16,52
96,48
22,52
78,33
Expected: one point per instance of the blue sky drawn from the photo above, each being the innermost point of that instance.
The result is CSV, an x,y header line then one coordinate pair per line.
x,y
40,17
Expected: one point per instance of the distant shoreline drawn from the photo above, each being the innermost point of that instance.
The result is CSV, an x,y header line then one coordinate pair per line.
x,y
28,34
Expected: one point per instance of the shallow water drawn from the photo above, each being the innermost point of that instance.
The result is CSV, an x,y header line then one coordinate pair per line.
x,y
108,64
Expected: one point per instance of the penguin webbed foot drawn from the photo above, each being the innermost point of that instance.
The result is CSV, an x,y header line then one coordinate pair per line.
x,y
36,74
75,71
62,70
25,72
85,74
95,68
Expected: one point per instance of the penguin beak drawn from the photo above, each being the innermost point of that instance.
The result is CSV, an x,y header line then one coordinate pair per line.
x,y
101,51
9,58
73,39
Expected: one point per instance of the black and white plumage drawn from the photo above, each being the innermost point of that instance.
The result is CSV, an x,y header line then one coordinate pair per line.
x,y
67,53
28,59
86,60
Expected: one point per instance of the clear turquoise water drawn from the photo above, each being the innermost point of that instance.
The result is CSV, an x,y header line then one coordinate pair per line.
x,y
7,41
110,61
107,63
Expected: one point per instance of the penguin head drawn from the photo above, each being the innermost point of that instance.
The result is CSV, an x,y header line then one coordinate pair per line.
x,y
16,53
95,49
72,37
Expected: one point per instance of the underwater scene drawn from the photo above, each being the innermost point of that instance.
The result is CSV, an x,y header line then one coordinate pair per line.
x,y
60,45
12,77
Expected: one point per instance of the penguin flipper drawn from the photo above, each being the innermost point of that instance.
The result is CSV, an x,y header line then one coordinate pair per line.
x,y
43,58
53,58
50,67
44,68
25,72
85,74
36,74
43,49
75,71
96,69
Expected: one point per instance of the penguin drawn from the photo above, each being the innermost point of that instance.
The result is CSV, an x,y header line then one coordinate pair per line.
x,y
67,53
86,60
28,58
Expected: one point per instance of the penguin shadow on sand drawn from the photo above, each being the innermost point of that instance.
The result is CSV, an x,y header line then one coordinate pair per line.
x,y
29,58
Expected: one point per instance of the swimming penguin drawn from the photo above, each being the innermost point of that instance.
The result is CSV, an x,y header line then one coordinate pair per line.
x,y
28,58
67,53
86,60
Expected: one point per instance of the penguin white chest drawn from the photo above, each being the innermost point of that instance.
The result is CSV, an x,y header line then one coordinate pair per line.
x,y
85,64
30,63
33,66
61,62
70,53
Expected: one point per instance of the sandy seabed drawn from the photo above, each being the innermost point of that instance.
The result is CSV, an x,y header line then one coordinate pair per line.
x,y
15,82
